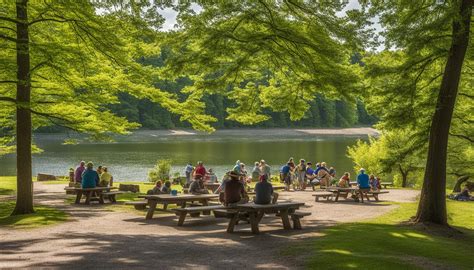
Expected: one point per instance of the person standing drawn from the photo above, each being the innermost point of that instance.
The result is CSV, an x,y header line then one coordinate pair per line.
x,y
188,172
265,169
200,170
363,183
301,174
78,172
285,175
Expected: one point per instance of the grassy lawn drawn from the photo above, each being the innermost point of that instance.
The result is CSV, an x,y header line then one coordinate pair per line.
x,y
383,243
42,217
7,185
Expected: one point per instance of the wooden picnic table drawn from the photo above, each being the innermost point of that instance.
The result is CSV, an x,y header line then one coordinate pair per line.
x,y
180,199
88,192
212,186
257,211
339,190
385,184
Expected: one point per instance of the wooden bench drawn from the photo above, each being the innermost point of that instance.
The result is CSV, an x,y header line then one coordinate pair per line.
x,y
385,184
111,195
139,205
182,212
296,216
325,194
375,194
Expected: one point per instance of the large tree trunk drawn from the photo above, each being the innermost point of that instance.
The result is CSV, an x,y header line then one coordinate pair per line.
x,y
432,206
462,179
24,201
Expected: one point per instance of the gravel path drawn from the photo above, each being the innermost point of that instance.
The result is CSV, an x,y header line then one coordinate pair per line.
x,y
98,238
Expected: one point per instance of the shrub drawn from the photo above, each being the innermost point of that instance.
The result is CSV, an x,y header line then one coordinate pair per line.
x,y
161,171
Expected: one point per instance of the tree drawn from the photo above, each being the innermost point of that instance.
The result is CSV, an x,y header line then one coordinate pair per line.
x,y
67,61
267,55
428,38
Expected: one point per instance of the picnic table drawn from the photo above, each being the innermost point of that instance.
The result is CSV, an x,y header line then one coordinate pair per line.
x,y
180,199
88,192
212,186
339,190
385,184
257,211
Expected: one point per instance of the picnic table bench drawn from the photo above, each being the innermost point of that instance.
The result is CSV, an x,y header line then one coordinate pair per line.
x,y
339,190
139,205
385,184
324,194
180,199
375,194
183,212
88,192
111,195
255,213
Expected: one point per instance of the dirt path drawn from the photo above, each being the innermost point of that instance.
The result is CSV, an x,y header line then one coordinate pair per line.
x,y
97,238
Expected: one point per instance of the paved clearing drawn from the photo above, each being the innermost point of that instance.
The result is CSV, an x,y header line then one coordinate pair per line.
x,y
96,237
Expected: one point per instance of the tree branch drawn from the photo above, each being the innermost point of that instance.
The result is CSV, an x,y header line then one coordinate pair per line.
x,y
9,99
8,19
462,137
63,20
8,38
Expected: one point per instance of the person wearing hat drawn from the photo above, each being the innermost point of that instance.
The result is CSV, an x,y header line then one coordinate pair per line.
x,y
197,186
200,170
234,191
363,183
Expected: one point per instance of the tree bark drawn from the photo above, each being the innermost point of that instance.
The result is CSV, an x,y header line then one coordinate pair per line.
x,y
404,175
24,201
432,206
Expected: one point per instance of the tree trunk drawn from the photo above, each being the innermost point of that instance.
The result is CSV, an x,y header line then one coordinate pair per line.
x,y
432,206
404,175
462,179
24,201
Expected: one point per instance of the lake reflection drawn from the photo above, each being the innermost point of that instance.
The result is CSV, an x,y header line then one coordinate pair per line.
x,y
131,156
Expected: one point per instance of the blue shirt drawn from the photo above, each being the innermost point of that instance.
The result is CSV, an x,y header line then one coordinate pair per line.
x,y
363,180
285,169
320,168
263,192
310,171
189,169
90,178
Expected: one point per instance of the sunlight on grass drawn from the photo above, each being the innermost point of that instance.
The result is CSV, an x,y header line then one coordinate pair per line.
x,y
7,185
43,216
337,251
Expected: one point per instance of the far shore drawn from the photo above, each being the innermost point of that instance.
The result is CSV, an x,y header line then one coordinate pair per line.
x,y
273,131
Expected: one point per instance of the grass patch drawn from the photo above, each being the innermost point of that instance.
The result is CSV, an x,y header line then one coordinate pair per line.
x,y
382,243
43,216
7,185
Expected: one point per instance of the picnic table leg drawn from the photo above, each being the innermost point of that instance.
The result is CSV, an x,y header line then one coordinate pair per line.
x,y
232,222
78,197
376,197
101,197
151,210
205,203
182,217
260,216
337,196
165,206
254,222
285,219
361,194
88,197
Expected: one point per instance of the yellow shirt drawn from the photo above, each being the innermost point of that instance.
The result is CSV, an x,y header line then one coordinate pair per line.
x,y
105,178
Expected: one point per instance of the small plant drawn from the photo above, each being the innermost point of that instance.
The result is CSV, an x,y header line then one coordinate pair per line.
x,y
161,171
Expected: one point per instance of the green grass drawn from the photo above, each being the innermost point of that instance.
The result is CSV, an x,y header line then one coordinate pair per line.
x,y
43,216
383,243
7,185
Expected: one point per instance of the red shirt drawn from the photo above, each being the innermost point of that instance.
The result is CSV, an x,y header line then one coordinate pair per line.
x,y
200,170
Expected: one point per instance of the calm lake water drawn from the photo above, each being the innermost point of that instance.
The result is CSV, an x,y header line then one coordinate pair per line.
x,y
132,156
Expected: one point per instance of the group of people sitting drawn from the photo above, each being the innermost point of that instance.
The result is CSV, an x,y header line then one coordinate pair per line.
x,y
87,177
301,174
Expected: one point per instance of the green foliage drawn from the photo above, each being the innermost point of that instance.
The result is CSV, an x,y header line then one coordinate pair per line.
x,y
383,243
161,171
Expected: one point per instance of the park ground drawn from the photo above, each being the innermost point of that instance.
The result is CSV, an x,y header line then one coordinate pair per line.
x,y
344,235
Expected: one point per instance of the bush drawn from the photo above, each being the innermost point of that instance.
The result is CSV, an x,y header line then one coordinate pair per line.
x,y
161,171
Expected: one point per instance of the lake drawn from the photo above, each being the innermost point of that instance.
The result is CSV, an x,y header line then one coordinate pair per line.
x,y
131,156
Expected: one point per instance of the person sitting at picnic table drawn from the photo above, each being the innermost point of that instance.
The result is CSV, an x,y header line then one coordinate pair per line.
x,y
234,191
197,186
374,182
265,169
106,178
78,172
90,178
323,176
166,189
363,183
464,195
200,170
157,189
99,170
211,176
264,192
344,181
256,172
